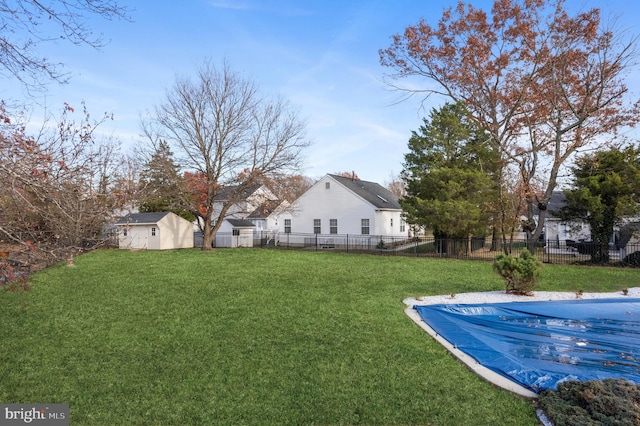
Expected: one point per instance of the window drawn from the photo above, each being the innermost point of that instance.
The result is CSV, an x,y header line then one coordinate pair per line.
x,y
333,226
316,226
402,225
327,185
235,232
287,226
364,225
153,232
124,232
392,222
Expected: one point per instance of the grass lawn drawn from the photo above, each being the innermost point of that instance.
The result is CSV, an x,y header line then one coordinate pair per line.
x,y
254,337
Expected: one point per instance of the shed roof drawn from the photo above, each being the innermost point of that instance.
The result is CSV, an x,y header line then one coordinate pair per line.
x,y
372,192
142,218
241,223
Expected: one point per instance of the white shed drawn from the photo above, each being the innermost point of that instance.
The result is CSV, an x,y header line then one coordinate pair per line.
x,y
235,233
154,231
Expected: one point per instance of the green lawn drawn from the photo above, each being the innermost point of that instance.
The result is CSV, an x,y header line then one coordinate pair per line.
x,y
253,337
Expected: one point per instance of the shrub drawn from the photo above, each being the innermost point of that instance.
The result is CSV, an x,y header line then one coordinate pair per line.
x,y
597,402
521,274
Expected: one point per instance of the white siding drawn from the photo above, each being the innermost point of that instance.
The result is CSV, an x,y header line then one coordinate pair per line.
x,y
338,202
388,223
172,232
137,237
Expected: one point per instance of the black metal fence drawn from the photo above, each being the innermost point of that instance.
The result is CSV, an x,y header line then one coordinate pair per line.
x,y
551,251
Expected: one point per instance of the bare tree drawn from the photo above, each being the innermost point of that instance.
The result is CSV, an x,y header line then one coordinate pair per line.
x,y
229,134
54,186
125,189
21,32
396,185
288,187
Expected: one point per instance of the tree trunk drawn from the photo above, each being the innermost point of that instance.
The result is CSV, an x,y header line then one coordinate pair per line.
x,y
207,235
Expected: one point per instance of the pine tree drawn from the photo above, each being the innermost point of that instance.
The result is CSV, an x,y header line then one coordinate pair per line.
x,y
161,183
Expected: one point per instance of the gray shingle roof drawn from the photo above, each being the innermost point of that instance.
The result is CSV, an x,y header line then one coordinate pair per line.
x,y
557,201
372,192
142,218
226,192
265,209
240,223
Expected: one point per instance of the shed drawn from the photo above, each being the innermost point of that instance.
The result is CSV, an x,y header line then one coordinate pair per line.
x,y
154,231
241,234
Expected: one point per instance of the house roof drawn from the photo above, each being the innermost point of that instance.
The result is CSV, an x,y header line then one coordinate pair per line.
x,y
226,192
372,192
557,201
627,232
265,209
240,223
142,218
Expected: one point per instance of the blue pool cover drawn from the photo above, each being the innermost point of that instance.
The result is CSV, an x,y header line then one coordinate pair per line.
x,y
540,344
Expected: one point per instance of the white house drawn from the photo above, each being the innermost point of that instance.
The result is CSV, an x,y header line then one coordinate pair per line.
x,y
254,212
347,206
154,231
242,203
560,236
556,231
268,219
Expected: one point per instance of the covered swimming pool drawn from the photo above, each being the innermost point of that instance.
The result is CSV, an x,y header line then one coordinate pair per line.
x,y
537,345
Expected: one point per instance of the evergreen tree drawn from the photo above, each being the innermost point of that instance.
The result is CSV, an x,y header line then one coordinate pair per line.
x,y
606,188
161,183
448,173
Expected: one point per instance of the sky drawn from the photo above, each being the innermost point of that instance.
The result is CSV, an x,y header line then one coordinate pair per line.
x,y
320,55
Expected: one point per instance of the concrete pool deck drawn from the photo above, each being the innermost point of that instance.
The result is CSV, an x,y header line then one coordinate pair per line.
x,y
497,297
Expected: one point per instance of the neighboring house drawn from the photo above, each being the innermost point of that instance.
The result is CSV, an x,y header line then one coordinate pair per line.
x,y
255,212
343,205
243,203
556,231
154,231
561,236
629,238
268,219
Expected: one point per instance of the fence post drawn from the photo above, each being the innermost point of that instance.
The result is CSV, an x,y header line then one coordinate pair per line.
x,y
546,248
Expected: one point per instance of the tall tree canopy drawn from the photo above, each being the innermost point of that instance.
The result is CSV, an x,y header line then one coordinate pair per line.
x,y
606,189
448,175
28,23
227,134
541,83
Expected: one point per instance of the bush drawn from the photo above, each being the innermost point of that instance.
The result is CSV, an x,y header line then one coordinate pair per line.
x,y
520,273
606,402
